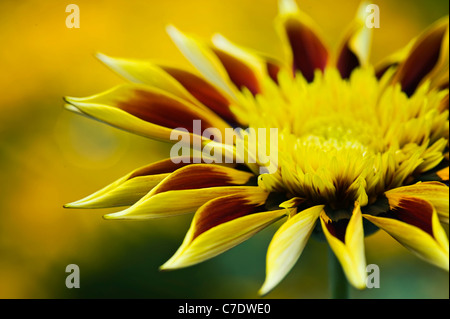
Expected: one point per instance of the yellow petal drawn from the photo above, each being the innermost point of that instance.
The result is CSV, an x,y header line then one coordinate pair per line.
x,y
144,110
437,194
177,202
123,192
121,119
243,66
129,189
355,48
204,60
415,224
206,93
428,56
298,32
220,225
178,82
187,189
287,245
349,250
439,75
145,72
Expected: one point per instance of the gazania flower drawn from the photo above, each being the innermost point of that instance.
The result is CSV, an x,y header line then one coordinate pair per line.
x,y
359,147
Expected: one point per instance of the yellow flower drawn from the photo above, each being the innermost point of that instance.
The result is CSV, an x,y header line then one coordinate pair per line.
x,y
358,145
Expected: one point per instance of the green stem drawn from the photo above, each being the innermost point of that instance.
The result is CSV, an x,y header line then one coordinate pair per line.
x,y
338,282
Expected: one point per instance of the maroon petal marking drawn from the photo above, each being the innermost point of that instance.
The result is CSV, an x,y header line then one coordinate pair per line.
x,y
222,210
160,109
201,176
203,91
421,60
414,211
347,62
309,53
240,73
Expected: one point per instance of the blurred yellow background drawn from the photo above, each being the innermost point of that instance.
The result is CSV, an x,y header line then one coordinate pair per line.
x,y
49,156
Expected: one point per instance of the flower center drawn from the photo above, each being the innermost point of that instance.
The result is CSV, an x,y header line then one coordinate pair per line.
x,y
342,141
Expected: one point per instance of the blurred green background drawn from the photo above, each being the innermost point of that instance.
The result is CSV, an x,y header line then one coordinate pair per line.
x,y
49,156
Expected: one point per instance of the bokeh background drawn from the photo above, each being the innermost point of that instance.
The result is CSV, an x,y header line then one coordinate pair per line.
x,y
49,156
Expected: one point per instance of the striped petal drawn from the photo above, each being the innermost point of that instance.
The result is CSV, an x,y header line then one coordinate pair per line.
x,y
435,193
144,110
244,68
204,60
129,189
414,223
204,92
181,83
185,190
287,245
439,74
355,46
202,176
428,55
308,53
221,224
145,72
346,239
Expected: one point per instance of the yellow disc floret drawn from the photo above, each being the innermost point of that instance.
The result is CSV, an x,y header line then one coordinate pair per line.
x,y
342,141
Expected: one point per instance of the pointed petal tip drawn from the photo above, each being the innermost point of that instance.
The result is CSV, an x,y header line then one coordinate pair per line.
x,y
70,105
178,37
170,265
163,268
173,32
100,55
106,59
361,284
67,99
262,292
72,100
265,289
114,216
76,204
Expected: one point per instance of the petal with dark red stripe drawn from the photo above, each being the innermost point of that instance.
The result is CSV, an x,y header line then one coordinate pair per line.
x,y
435,193
427,54
414,223
355,46
185,190
204,92
243,67
181,83
129,189
145,111
145,72
221,224
204,60
308,51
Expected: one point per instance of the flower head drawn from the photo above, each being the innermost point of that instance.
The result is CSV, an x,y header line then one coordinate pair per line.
x,y
357,144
